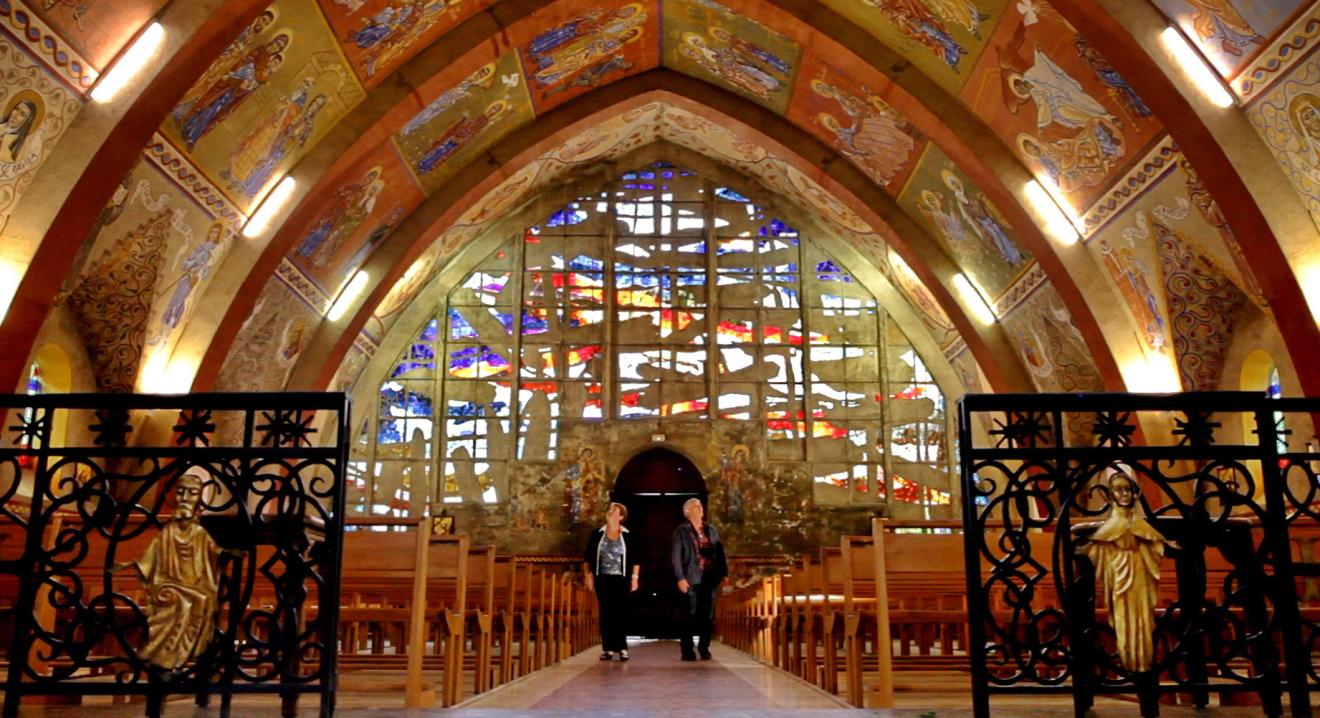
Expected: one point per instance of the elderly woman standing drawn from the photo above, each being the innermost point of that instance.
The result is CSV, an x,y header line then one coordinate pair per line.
x,y
699,564
612,573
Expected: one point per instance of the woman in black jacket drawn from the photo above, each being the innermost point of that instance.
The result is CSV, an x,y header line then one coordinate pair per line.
x,y
612,572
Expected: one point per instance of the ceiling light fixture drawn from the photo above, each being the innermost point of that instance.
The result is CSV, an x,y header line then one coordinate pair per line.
x,y
270,207
1195,67
130,63
1057,222
973,299
348,296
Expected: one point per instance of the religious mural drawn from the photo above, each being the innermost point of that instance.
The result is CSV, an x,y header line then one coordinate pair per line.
x,y
271,342
575,51
1229,32
1175,263
1069,116
943,38
453,128
712,43
357,218
960,217
1049,345
276,89
380,35
37,110
1287,116
845,110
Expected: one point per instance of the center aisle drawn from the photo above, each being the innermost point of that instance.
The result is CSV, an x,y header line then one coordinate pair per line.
x,y
655,679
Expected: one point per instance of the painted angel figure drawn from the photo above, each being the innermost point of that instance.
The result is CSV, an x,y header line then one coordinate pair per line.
x,y
1059,99
1126,551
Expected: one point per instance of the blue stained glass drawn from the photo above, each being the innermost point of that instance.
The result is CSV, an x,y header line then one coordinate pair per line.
x,y
419,405
726,193
639,185
776,228
828,266
421,352
472,362
459,327
790,267
691,280
781,277
834,277
390,398
532,324
505,320
667,175
583,262
566,217
474,409
389,432
430,332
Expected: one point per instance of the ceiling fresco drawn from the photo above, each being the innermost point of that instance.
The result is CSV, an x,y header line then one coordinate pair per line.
x,y
969,227
713,43
377,36
1229,32
267,100
1051,97
576,47
1056,103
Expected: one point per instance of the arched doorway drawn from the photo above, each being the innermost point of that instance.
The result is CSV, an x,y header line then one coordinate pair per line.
x,y
653,485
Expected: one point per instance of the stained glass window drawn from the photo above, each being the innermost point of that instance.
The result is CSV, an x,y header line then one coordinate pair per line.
x,y
663,297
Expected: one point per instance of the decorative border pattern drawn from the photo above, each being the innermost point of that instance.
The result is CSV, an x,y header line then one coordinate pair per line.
x,y
176,165
954,348
366,343
1027,283
45,44
304,287
1286,50
1161,158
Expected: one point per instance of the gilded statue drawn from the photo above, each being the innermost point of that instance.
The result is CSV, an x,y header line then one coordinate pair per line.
x,y
180,572
1126,551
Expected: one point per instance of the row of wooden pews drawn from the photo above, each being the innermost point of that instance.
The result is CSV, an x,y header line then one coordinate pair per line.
x,y
426,615
887,610
477,619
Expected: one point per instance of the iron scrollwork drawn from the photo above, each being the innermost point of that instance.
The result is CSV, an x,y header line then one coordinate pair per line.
x,y
232,531
1040,496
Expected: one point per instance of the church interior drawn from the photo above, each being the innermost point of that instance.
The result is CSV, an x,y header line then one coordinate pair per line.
x,y
911,296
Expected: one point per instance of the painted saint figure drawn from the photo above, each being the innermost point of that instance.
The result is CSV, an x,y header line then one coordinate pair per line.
x,y
206,106
1219,19
931,204
196,267
915,20
18,130
1059,99
875,140
1073,163
284,131
458,135
181,575
583,480
734,481
984,219
351,205
389,32
588,39
1126,551
1118,87
733,67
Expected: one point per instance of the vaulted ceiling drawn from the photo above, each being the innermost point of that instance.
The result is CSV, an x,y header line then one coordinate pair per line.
x,y
908,131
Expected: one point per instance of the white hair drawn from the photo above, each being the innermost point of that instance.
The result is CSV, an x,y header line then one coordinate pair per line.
x,y
688,503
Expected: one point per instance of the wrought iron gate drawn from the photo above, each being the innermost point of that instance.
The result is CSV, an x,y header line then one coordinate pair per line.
x,y
77,510
1233,495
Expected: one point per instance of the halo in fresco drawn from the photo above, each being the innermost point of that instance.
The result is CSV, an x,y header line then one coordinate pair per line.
x,y
710,42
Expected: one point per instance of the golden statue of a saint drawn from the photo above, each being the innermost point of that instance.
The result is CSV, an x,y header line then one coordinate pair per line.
x,y
1126,551
180,572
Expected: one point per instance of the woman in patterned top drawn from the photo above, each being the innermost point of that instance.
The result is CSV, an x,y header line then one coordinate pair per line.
x,y
612,573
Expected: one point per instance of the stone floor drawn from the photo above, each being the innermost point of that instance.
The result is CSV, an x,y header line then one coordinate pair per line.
x,y
654,684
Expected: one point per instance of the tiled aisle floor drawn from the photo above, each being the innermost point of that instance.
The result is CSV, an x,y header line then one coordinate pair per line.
x,y
654,684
